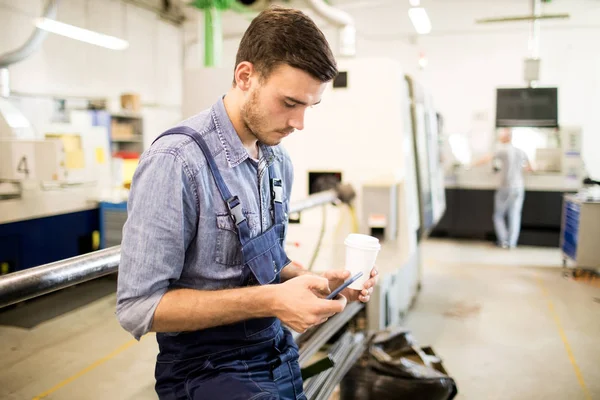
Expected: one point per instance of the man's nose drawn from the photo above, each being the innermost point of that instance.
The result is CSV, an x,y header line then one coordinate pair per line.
x,y
297,120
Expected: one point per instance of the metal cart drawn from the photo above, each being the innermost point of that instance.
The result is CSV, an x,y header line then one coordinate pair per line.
x,y
580,234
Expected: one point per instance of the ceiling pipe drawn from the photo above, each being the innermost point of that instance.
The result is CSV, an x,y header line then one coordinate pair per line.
x,y
532,63
31,45
4,83
340,18
12,121
34,41
534,36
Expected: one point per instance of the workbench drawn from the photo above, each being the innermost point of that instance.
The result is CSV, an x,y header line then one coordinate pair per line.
x,y
470,208
46,226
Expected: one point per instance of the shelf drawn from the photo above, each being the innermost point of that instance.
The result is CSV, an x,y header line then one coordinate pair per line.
x,y
122,140
125,114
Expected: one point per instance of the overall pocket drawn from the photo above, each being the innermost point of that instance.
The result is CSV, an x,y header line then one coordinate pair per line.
x,y
265,257
228,249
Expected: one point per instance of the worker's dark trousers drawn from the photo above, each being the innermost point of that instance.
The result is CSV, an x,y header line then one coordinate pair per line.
x,y
265,370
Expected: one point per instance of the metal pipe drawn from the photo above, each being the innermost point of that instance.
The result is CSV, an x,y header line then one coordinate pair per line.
x,y
340,18
4,83
350,353
326,331
34,41
534,35
173,14
315,385
342,193
37,281
317,199
33,282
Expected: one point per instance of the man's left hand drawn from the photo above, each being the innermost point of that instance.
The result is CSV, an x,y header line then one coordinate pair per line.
x,y
337,277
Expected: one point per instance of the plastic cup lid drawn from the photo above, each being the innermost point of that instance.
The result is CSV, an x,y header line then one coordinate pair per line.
x,y
361,241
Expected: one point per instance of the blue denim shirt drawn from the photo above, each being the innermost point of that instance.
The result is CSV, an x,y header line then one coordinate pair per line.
x,y
178,232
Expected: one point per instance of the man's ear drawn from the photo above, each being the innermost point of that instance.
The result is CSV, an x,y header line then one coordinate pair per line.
x,y
243,74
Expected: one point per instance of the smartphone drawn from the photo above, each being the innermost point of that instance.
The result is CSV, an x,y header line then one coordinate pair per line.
x,y
343,286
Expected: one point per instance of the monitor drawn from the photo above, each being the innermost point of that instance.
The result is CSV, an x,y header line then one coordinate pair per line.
x,y
527,107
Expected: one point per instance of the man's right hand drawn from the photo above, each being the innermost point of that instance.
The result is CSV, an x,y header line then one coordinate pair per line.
x,y
300,302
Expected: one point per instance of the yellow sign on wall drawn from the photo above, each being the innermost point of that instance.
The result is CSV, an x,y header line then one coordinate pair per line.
x,y
74,156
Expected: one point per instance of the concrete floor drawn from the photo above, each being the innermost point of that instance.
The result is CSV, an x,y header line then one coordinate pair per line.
x,y
506,323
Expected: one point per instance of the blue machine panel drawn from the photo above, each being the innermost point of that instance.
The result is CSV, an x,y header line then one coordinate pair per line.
x,y
112,218
34,242
571,228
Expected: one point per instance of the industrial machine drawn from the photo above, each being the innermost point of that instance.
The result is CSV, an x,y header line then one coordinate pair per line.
x,y
393,160
555,154
31,159
430,175
554,151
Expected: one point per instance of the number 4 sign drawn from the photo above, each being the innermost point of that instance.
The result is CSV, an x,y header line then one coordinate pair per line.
x,y
23,160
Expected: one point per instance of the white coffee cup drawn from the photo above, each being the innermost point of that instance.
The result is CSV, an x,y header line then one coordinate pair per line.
x,y
361,253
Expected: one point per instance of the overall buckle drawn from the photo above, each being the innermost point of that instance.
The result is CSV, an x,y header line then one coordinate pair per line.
x,y
277,190
235,210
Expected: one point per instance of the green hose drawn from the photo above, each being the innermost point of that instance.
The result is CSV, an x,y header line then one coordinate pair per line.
x,y
213,33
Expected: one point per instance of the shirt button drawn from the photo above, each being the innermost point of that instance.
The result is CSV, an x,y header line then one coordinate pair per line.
x,y
274,265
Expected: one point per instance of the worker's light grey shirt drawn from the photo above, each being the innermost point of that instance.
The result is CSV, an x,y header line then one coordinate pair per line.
x,y
512,160
178,232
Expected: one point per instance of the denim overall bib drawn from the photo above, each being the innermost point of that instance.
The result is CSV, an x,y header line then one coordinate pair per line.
x,y
253,359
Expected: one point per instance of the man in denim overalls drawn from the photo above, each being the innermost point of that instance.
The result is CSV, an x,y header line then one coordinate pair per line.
x,y
202,259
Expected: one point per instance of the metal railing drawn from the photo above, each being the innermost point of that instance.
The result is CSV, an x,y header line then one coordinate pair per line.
x,y
23,285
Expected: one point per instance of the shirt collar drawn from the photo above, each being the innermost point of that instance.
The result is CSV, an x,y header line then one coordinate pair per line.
x,y
235,152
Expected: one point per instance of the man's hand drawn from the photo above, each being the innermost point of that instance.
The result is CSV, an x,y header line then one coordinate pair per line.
x,y
300,302
337,277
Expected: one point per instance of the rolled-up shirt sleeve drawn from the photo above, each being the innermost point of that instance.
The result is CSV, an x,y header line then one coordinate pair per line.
x,y
161,222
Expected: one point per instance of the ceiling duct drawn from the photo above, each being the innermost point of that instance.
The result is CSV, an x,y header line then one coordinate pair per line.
x,y
342,19
12,122
34,41
168,10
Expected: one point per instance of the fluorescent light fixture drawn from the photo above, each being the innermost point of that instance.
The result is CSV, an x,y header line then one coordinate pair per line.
x,y
420,20
84,35
415,3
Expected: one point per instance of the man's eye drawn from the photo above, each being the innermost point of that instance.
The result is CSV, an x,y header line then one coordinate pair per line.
x,y
288,105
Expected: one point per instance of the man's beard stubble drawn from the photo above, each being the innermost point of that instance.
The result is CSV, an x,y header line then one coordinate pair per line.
x,y
253,120
256,123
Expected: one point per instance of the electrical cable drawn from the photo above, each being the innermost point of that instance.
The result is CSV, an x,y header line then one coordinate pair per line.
x,y
320,240
354,218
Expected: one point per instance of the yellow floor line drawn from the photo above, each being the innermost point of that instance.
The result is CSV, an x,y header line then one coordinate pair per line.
x,y
86,370
563,337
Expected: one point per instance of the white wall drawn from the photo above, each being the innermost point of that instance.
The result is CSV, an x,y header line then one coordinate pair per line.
x,y
468,61
152,66
467,64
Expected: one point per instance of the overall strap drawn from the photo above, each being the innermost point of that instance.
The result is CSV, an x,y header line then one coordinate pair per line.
x,y
276,195
233,202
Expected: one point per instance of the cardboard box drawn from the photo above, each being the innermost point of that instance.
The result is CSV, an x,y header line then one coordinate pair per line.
x,y
121,130
131,102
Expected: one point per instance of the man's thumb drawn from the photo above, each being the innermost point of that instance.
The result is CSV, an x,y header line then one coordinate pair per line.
x,y
319,283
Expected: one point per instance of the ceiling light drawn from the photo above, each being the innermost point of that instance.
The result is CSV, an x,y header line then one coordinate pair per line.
x,y
420,20
415,3
84,35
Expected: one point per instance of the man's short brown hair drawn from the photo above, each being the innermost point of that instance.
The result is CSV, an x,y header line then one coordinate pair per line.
x,y
281,35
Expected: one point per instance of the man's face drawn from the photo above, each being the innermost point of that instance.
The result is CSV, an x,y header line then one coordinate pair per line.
x,y
275,107
505,136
